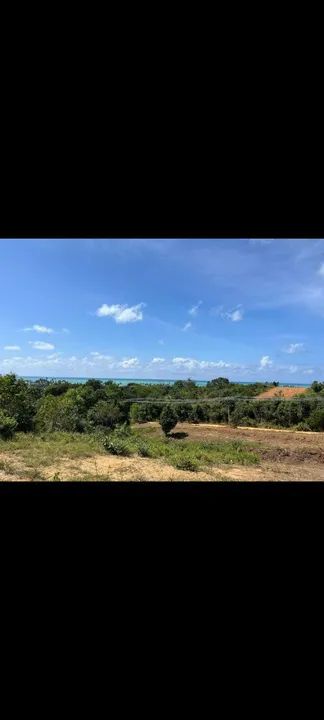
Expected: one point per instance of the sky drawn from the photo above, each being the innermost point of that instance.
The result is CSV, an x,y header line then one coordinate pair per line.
x,y
249,310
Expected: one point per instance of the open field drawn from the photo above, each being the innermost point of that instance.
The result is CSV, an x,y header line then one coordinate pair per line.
x,y
282,392
220,452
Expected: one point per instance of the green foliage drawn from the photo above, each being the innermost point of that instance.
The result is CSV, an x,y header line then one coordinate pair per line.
x,y
143,449
317,386
303,426
186,463
316,420
116,445
134,413
48,406
106,414
57,388
193,455
198,414
168,419
17,400
8,425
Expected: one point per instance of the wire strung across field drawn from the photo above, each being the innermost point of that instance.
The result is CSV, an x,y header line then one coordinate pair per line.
x,y
199,401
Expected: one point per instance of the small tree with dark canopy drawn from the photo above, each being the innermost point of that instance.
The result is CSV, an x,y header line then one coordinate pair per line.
x,y
168,419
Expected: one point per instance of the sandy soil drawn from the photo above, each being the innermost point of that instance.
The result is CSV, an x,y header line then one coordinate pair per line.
x,y
120,468
285,455
285,392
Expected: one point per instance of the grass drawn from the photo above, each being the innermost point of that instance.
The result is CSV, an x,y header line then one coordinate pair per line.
x,y
185,455
35,452
29,454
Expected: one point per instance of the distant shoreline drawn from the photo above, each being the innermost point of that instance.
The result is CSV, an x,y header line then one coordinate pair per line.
x,y
147,381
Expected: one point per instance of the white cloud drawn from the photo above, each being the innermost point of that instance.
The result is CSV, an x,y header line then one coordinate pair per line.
x,y
186,326
293,368
265,362
129,363
96,364
321,269
65,331
234,315
194,310
294,347
39,345
12,347
98,356
192,363
39,329
262,241
121,313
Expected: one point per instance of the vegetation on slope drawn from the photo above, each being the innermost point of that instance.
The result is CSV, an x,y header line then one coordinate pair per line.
x,y
99,407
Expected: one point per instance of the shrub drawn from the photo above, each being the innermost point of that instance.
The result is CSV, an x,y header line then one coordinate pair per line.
x,y
105,414
18,400
57,388
303,426
7,425
186,463
144,450
197,414
60,413
116,446
316,420
317,386
183,411
168,419
134,412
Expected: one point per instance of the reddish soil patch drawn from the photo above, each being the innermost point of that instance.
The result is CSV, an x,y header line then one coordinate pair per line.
x,y
284,392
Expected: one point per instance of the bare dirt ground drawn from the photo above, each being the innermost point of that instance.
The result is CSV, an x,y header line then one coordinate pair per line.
x,y
284,392
108,467
284,455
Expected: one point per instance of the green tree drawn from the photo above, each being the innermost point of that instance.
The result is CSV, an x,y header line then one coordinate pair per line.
x,y
8,425
317,386
108,414
168,419
18,401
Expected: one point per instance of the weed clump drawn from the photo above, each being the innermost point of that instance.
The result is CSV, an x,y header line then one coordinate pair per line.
x,y
186,463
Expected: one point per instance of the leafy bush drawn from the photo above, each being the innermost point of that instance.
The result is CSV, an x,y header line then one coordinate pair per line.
x,y
186,463
303,426
57,388
106,414
168,419
18,400
317,386
316,420
64,412
8,425
144,450
134,413
116,446
197,414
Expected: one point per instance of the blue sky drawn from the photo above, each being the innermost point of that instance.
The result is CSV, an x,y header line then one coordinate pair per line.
x,y
244,309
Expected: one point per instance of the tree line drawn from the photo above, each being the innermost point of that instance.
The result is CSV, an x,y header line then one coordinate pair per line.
x,y
45,406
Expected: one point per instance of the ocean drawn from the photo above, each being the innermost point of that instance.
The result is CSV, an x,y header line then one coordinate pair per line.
x,y
144,381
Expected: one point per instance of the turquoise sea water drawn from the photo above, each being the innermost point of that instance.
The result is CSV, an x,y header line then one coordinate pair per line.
x,y
141,381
